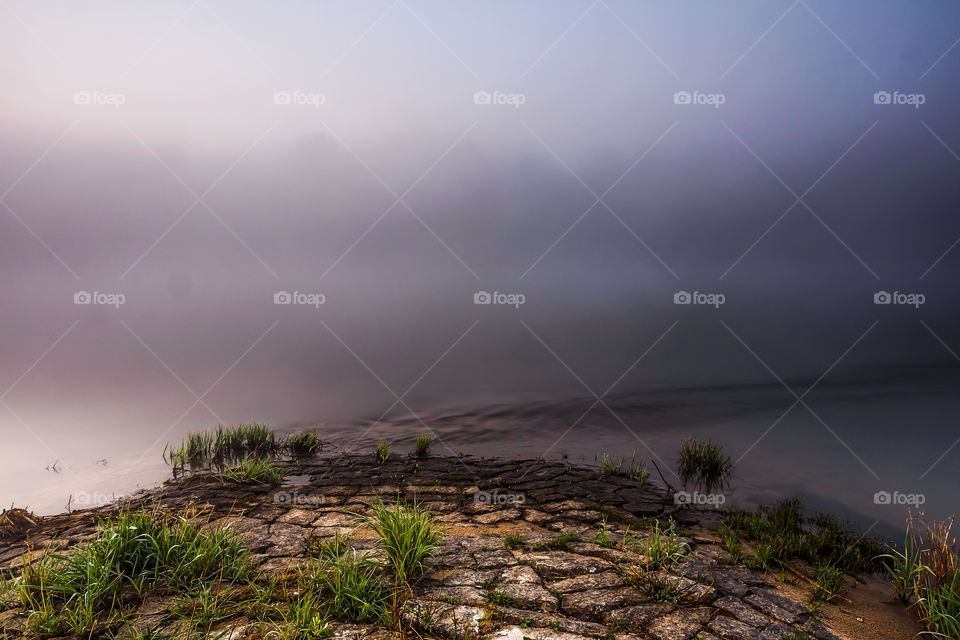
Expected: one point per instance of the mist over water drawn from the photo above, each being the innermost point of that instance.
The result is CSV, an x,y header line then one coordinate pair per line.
x,y
400,196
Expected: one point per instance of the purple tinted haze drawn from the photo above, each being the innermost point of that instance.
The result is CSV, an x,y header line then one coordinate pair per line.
x,y
194,194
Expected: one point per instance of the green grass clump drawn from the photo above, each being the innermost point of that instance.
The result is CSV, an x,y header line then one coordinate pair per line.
x,y
255,470
350,588
608,467
514,541
228,445
705,463
303,443
424,440
382,452
662,546
927,574
331,549
90,590
656,586
819,540
409,536
557,543
829,583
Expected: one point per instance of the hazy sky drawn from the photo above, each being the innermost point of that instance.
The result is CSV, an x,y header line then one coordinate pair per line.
x,y
420,152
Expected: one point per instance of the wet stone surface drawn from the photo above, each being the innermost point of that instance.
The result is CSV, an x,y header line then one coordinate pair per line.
x,y
556,583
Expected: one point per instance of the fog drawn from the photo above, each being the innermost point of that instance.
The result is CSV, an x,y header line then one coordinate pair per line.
x,y
397,194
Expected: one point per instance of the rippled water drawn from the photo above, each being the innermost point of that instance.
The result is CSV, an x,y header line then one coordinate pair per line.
x,y
859,437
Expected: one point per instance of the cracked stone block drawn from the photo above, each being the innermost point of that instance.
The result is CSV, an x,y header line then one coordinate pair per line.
x,y
637,617
607,553
516,633
301,517
732,629
679,625
519,574
603,580
461,595
742,612
817,630
458,577
527,618
287,539
776,632
776,605
498,515
560,564
458,621
529,596
596,605
493,559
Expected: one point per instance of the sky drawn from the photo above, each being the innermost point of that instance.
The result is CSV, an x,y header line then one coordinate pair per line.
x,y
778,164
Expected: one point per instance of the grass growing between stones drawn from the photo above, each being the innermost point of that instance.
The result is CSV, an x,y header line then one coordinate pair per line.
x,y
662,546
927,575
557,543
705,463
424,440
94,589
229,445
255,470
382,452
408,535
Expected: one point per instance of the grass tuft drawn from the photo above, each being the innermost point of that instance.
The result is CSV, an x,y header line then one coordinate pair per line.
x,y
409,536
662,546
927,573
705,463
424,440
89,591
255,470
382,452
